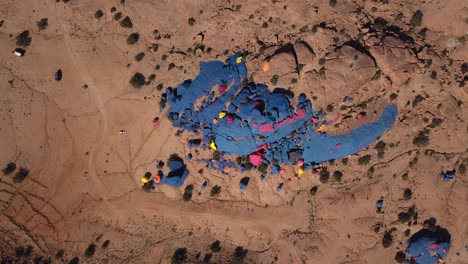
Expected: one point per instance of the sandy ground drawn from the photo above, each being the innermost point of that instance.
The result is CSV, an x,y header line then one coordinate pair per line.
x,y
84,187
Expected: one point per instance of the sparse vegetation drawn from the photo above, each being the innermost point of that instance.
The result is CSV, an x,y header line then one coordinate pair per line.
x,y
75,260
216,246
89,252
462,169
21,175
23,39
265,25
422,139
180,255
364,160
332,3
118,16
133,38
416,20
43,24
139,56
171,66
9,168
274,79
393,96
338,175
215,191
418,99
345,161
188,193
322,61
403,217
293,80
407,194
137,80
98,14
60,254
126,22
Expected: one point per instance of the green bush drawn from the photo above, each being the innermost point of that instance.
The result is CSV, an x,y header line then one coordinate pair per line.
x,y
338,175
380,147
262,167
324,175
9,168
387,239
133,38
118,16
188,192
416,20
89,252
364,160
180,255
21,175
274,79
216,246
23,39
139,56
137,80
43,24
191,21
216,190
422,139
126,22
98,14
400,257
407,194
264,25
332,3
403,217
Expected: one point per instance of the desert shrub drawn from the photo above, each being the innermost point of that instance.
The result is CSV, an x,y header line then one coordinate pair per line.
x,y
422,139
364,160
332,3
139,56
75,260
322,61
89,252
118,16
399,17
313,190
28,251
43,24
262,167
105,244
434,75
188,193
387,239
403,217
23,39
265,25
416,20
171,66
19,252
407,194
274,79
180,255
216,190
293,80
338,175
126,22
393,96
322,71
330,108
324,175
216,155
133,38
9,168
239,254
407,232
400,257
98,14
21,175
191,21
137,80
216,246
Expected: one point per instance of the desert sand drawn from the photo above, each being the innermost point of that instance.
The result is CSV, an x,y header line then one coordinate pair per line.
x,y
84,187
